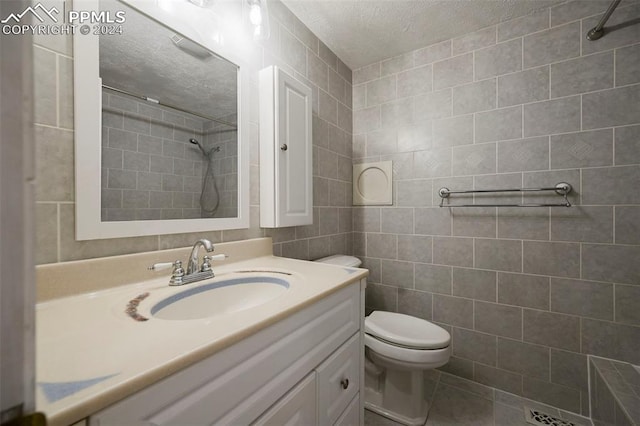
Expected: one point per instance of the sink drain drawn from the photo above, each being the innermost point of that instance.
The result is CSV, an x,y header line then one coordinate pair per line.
x,y
543,419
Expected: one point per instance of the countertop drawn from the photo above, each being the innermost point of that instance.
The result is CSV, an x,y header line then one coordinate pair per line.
x,y
91,353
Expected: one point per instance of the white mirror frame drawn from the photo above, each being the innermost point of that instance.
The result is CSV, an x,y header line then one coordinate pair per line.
x,y
88,135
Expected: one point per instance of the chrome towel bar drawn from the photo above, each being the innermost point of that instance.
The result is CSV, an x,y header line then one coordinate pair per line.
x,y
562,189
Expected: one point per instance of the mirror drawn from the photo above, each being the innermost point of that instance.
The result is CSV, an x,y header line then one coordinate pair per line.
x,y
167,117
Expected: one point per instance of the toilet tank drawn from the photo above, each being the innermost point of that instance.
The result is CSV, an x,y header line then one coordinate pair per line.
x,y
341,260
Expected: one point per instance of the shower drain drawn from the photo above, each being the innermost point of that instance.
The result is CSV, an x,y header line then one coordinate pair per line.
x,y
540,418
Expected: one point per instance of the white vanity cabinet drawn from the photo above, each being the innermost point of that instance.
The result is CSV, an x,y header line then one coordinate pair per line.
x,y
298,407
338,380
304,369
286,167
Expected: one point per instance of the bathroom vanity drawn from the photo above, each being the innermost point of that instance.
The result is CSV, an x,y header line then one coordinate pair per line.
x,y
111,358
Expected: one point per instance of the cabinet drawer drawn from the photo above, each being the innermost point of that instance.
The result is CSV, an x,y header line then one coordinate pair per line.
x,y
351,416
338,381
297,407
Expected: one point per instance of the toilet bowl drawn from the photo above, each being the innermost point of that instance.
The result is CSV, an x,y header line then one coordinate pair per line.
x,y
401,347
398,349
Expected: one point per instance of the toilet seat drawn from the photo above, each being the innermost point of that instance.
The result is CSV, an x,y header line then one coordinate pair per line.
x,y
409,358
406,331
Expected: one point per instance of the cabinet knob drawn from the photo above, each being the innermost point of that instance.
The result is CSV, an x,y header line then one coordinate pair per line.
x,y
284,147
344,383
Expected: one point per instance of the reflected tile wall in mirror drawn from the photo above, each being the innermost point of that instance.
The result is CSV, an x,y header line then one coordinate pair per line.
x,y
150,169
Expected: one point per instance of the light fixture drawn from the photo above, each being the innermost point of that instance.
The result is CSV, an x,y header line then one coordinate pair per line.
x,y
257,14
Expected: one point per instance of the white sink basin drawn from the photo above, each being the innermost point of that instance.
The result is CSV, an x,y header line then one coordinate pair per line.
x,y
221,297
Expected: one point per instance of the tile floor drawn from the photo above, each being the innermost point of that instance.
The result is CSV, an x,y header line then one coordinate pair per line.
x,y
457,401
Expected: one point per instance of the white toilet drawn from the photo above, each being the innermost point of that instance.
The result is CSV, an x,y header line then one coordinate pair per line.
x,y
398,348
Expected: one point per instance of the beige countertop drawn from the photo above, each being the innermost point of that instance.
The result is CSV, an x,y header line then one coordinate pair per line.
x,y
91,353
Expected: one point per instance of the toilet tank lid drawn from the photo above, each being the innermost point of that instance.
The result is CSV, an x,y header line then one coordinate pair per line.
x,y
406,330
342,260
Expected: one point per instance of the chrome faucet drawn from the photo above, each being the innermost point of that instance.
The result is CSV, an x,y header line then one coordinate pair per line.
x,y
193,257
194,272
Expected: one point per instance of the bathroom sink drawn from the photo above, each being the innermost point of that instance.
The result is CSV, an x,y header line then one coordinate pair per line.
x,y
221,297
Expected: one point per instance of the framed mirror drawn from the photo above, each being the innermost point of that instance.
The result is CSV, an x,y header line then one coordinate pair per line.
x,y
161,119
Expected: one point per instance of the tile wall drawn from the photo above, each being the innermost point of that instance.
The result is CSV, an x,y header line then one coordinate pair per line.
x,y
525,293
150,170
615,392
291,46
224,165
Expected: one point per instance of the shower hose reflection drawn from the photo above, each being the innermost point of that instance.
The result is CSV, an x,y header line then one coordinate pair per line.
x,y
209,197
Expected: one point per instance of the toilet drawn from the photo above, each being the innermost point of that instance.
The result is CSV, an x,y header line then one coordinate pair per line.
x,y
398,349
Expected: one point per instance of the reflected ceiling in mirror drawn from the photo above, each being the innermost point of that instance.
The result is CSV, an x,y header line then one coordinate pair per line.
x,y
169,125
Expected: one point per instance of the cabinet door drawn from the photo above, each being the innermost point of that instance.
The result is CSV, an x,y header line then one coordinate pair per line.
x,y
286,180
297,407
293,164
338,381
351,416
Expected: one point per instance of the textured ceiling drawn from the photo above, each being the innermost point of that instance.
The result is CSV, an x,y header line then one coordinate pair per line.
x,y
362,32
145,61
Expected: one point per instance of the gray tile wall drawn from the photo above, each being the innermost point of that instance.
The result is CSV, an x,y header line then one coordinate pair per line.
x,y
526,293
224,165
615,392
293,47
151,169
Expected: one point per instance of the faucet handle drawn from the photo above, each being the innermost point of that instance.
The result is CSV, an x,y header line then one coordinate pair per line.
x,y
206,261
165,265
218,257
160,266
178,271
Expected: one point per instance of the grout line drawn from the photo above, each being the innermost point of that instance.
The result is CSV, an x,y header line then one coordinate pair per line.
x,y
522,325
522,53
473,65
580,258
615,55
548,379
473,316
58,237
613,144
615,291
581,108
57,85
581,38
549,74
54,202
614,224
581,177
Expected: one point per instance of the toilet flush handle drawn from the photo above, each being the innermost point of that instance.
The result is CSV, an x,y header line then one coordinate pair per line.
x,y
344,383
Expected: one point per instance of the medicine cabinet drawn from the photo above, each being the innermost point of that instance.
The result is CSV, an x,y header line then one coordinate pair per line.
x,y
286,166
